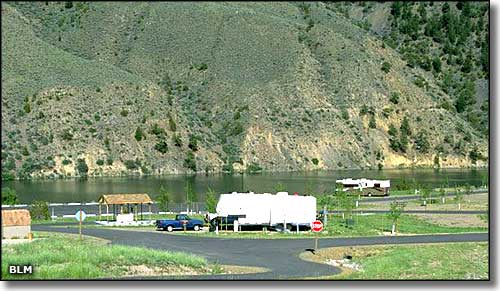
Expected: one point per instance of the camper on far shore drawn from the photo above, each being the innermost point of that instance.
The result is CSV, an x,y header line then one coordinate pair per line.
x,y
366,186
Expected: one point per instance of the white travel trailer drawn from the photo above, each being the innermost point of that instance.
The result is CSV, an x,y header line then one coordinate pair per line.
x,y
279,210
368,187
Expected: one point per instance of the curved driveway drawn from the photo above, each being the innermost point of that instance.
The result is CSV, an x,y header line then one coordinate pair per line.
x,y
280,256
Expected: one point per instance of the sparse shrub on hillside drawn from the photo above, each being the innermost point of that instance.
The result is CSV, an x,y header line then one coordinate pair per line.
x,y
176,139
193,142
386,67
161,146
109,161
387,111
106,142
475,155
237,129
139,135
124,112
157,130
253,168
405,126
315,161
403,142
393,131
100,162
24,151
131,164
68,4
81,167
372,123
420,81
436,64
190,161
394,141
227,168
345,114
171,123
421,142
446,105
97,117
365,109
394,98
67,135
66,162
436,161
27,107
448,139
201,66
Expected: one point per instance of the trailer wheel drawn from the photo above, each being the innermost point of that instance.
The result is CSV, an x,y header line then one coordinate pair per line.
x,y
196,228
170,228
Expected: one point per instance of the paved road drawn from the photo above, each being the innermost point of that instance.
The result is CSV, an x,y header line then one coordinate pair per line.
x,y
280,256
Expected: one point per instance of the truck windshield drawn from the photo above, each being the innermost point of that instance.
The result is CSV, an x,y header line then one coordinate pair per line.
x,y
181,217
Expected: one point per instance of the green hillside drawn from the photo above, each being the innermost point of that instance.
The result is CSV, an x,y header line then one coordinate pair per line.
x,y
93,88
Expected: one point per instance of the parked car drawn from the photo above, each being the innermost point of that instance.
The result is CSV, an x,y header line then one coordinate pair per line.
x,y
181,221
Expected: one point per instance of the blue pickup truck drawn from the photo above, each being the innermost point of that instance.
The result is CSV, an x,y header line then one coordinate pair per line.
x,y
180,221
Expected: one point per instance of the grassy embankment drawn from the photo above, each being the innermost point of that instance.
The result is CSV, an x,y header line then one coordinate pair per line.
x,y
450,261
58,256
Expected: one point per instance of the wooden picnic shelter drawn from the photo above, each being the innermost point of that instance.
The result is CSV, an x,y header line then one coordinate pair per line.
x,y
124,200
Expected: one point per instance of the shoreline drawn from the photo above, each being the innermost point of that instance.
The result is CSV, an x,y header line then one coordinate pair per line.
x,y
221,173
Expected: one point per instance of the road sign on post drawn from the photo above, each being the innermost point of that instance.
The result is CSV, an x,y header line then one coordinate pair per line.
x,y
317,227
80,216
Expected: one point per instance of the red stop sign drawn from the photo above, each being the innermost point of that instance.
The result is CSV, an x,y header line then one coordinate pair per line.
x,y
317,226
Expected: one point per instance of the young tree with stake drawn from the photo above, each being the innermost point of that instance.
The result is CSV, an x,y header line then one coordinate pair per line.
x,y
442,194
425,194
459,198
191,195
394,214
163,199
211,201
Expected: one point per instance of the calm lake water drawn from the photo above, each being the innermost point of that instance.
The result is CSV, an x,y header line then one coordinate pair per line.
x,y
86,190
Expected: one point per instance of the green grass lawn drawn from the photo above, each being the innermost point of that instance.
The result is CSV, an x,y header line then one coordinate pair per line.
x,y
364,225
58,256
450,261
378,223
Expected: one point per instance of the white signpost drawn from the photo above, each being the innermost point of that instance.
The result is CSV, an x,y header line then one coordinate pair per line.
x,y
80,216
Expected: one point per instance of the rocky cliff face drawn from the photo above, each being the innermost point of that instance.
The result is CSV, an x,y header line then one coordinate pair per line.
x,y
152,88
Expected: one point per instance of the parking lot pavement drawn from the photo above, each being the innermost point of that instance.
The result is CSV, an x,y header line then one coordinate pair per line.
x,y
281,256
